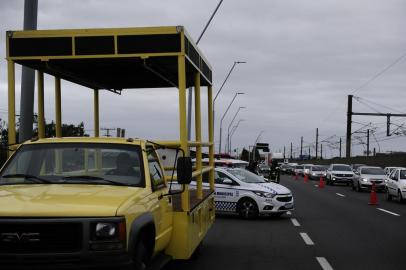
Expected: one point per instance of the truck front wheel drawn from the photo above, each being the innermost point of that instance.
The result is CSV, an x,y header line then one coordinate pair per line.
x,y
140,259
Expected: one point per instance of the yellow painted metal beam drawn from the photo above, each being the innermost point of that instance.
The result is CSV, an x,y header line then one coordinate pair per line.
x,y
11,103
58,108
198,135
96,113
202,171
211,135
182,123
41,111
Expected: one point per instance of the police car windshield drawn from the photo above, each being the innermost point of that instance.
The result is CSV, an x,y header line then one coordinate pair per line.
x,y
246,176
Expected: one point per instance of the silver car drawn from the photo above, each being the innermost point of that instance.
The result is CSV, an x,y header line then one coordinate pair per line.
x,y
315,172
365,176
339,173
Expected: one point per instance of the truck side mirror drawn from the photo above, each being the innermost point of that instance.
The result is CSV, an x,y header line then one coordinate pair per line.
x,y
184,170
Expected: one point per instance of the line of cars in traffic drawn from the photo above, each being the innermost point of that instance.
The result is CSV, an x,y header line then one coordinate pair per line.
x,y
391,180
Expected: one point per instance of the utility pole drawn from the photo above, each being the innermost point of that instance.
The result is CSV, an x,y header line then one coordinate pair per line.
x,y
301,146
28,77
374,151
291,150
321,151
317,141
349,122
309,152
284,152
367,142
340,146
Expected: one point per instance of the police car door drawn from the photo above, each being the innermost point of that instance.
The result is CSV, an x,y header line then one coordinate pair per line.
x,y
226,195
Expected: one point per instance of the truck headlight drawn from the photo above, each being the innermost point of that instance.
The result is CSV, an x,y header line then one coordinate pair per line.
x,y
105,230
108,235
265,194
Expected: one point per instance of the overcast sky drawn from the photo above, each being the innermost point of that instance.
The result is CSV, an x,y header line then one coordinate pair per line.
x,y
303,58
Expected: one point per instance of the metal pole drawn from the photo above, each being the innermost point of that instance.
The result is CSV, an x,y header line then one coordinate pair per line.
x,y
222,118
284,152
58,108
301,146
41,115
340,146
317,141
190,97
228,129
321,151
367,142
28,77
291,147
96,113
233,130
221,88
349,122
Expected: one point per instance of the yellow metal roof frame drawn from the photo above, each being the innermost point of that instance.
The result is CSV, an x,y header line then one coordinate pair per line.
x,y
112,54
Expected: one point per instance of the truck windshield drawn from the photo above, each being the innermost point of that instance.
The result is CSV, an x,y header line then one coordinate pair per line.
x,y
246,176
75,163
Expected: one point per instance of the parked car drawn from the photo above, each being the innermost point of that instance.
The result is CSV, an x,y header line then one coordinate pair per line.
x,y
339,173
396,185
298,169
247,194
316,171
365,176
263,170
285,168
306,168
389,170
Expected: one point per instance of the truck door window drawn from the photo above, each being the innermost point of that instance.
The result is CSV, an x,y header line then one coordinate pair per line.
x,y
155,172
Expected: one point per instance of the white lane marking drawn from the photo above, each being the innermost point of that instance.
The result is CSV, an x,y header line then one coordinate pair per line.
x,y
306,239
288,213
389,212
341,195
316,185
324,263
295,222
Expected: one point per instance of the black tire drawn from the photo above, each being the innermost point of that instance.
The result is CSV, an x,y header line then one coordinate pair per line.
x,y
140,259
400,198
248,209
358,187
352,186
388,196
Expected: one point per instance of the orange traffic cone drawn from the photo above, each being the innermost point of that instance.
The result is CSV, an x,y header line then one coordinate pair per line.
x,y
373,200
321,182
306,178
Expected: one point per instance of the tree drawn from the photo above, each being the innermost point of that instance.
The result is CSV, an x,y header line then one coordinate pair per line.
x,y
244,155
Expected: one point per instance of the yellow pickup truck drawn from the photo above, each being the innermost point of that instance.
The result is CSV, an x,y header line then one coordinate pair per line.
x,y
95,201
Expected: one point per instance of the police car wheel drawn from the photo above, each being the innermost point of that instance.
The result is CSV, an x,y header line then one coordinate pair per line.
x,y
248,209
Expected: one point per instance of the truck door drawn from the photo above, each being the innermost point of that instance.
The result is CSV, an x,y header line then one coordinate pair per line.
x,y
161,206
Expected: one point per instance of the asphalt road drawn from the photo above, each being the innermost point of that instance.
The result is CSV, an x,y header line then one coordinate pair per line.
x,y
330,228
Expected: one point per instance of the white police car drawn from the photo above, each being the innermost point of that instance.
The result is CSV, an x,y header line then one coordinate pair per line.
x,y
240,191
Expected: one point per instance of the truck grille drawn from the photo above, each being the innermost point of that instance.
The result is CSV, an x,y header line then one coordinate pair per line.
x,y
343,175
41,237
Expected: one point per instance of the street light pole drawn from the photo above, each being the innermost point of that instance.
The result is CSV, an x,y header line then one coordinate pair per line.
x,y
189,113
222,118
221,88
233,131
228,129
